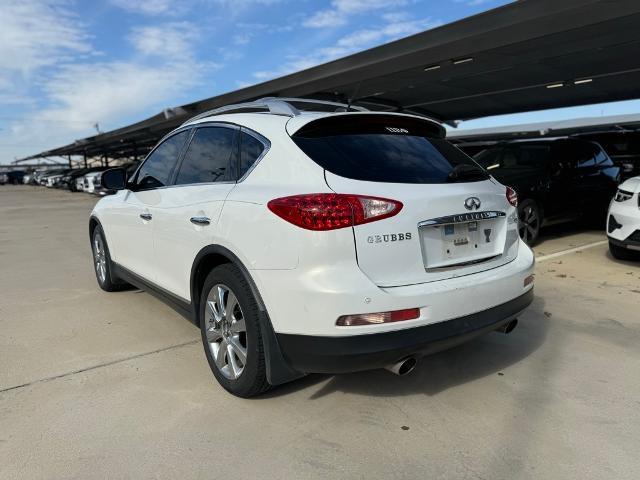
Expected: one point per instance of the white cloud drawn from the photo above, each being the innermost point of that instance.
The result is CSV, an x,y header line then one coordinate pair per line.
x,y
107,93
340,10
68,88
171,40
36,33
150,7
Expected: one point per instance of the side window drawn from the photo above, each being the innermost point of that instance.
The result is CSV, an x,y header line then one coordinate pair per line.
x,y
158,167
533,156
602,159
585,154
250,150
208,157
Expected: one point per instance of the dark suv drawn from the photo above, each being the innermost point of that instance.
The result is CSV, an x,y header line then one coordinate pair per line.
x,y
556,180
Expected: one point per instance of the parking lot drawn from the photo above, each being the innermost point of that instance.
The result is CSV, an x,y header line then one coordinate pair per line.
x,y
116,385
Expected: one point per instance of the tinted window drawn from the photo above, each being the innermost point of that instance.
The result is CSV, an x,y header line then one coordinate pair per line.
x,y
208,156
585,154
250,150
489,158
156,170
514,157
385,149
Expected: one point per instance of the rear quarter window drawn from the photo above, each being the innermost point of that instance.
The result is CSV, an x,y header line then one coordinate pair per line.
x,y
384,148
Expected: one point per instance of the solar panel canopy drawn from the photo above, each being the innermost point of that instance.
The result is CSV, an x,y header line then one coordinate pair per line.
x,y
528,55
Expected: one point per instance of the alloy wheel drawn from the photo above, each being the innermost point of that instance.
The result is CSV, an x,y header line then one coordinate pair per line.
x,y
226,331
100,258
529,223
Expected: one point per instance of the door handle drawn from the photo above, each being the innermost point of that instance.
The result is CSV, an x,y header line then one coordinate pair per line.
x,y
200,220
146,216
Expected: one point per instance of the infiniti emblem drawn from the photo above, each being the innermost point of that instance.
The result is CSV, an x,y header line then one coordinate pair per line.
x,y
472,203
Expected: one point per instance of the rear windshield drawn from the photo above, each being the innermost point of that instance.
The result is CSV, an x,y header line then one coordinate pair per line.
x,y
385,148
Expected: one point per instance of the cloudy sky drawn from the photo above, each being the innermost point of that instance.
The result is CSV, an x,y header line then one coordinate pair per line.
x,y
68,65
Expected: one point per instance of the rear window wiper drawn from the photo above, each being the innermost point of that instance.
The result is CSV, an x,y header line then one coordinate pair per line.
x,y
464,172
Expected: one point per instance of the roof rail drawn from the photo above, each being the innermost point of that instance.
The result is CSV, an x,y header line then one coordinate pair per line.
x,y
274,106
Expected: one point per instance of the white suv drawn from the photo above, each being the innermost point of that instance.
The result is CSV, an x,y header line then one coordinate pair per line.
x,y
623,221
330,241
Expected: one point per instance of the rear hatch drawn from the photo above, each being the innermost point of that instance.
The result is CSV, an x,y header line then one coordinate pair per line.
x,y
455,220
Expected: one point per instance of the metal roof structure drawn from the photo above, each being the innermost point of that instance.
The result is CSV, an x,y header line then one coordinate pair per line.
x,y
528,55
562,128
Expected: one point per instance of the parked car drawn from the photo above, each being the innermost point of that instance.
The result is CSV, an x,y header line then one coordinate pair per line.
x,y
27,178
556,180
54,179
15,177
43,178
623,222
70,180
80,184
307,242
3,178
623,147
92,180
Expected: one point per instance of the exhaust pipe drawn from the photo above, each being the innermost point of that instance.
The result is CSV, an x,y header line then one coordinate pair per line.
x,y
508,327
403,367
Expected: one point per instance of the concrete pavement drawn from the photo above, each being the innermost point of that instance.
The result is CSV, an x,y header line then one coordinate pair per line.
x,y
99,385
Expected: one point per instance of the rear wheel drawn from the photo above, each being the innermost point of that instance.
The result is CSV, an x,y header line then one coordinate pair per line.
x,y
230,328
622,253
529,221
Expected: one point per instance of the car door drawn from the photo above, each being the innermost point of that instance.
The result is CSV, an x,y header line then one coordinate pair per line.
x,y
133,220
187,213
590,191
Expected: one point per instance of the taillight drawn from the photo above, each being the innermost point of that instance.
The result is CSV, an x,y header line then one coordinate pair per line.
x,y
330,211
512,196
381,317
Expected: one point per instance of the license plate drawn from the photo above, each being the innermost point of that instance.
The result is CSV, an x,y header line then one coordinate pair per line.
x,y
463,239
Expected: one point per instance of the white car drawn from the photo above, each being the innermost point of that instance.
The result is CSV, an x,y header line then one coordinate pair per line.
x,y
315,241
623,221
90,181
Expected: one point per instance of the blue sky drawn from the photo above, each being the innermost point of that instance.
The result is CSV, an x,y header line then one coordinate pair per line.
x,y
66,65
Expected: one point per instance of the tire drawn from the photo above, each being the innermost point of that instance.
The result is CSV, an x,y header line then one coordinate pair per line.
x,y
102,264
231,336
622,253
529,221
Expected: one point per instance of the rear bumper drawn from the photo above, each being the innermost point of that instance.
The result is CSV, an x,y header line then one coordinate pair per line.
x,y
629,243
321,354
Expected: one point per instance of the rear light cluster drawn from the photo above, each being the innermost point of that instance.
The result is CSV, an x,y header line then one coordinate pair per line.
x,y
512,196
377,318
330,211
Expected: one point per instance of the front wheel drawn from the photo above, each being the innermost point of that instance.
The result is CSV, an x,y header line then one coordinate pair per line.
x,y
529,221
230,328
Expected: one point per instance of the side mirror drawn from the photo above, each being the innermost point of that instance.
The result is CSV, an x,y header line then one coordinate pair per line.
x,y
114,179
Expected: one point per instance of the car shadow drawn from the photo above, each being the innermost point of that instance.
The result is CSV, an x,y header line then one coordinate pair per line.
x,y
481,357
